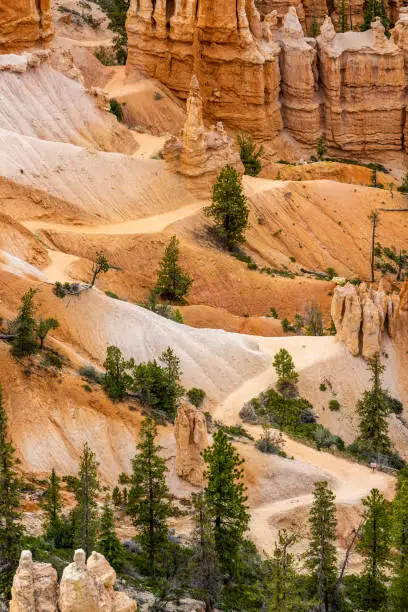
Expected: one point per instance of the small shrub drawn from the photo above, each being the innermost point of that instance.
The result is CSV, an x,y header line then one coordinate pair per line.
x,y
90,373
158,96
196,396
233,431
52,360
116,109
292,259
334,405
323,387
112,295
274,313
270,443
87,388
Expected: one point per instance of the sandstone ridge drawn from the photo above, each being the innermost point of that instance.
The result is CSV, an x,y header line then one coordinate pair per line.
x,y
263,77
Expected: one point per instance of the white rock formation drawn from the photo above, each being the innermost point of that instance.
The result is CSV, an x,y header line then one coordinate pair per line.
x,y
190,430
35,586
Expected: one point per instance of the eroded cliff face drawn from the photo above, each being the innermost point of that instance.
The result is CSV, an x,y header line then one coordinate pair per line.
x,y
261,74
363,87
362,315
24,23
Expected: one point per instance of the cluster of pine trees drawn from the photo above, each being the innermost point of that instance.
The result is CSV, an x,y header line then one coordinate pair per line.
x,y
219,564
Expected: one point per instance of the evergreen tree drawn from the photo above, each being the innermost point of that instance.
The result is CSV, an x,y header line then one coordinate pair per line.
x,y
321,148
116,380
86,510
373,409
285,368
149,499
375,220
109,543
101,266
315,27
24,342
399,539
250,155
205,558
373,9
10,529
343,17
374,547
172,282
403,188
117,497
52,505
285,597
229,208
321,556
44,326
173,375
225,495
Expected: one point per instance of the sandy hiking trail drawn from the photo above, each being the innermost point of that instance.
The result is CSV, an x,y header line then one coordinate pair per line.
x,y
350,480
147,225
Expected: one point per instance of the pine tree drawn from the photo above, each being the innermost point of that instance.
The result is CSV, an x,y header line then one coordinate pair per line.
x,y
205,558
101,266
225,495
44,326
283,576
343,17
117,497
321,556
250,155
229,208
10,529
109,543
116,380
373,410
86,510
374,547
375,220
173,373
149,499
172,282
285,369
399,539
52,505
25,326
315,28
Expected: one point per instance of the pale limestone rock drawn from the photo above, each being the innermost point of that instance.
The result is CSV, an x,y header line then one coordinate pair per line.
x,y
78,589
190,430
89,587
371,329
200,151
361,316
34,587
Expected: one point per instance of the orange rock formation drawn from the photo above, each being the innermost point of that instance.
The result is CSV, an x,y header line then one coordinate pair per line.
x,y
258,77
24,24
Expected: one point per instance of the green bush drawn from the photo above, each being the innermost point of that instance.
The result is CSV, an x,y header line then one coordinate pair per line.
x,y
323,387
112,295
52,360
274,313
116,109
196,396
90,373
334,405
250,155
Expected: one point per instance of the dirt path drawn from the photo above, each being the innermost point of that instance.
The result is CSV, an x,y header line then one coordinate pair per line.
x,y
146,225
352,481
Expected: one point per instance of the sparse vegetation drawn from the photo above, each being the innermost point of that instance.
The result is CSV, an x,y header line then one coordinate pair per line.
x,y
196,396
251,155
163,309
334,405
285,369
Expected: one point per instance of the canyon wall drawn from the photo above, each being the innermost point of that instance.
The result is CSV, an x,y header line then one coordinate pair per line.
x,y
24,23
259,73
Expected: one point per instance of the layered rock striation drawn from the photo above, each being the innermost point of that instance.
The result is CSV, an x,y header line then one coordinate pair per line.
x,y
361,316
84,587
24,23
190,430
261,74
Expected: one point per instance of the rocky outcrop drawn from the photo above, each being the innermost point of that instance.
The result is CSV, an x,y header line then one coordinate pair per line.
x,y
222,44
300,104
190,430
361,315
200,151
24,24
35,586
261,74
363,85
85,587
